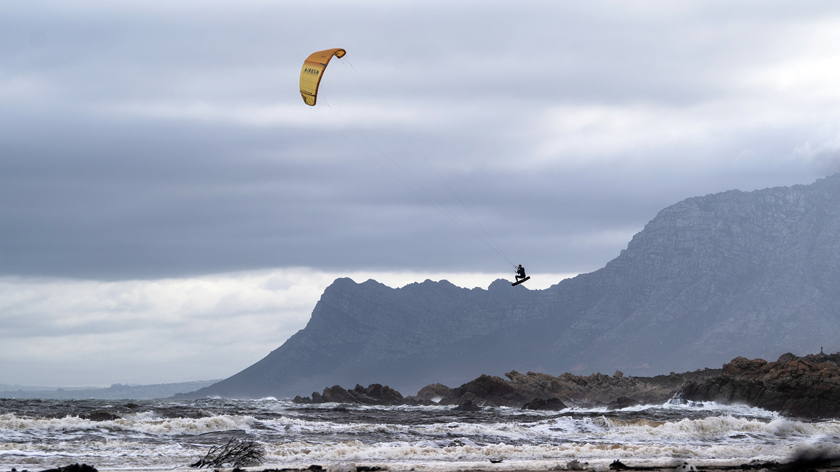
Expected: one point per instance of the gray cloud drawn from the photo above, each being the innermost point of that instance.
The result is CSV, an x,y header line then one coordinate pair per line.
x,y
162,150
145,140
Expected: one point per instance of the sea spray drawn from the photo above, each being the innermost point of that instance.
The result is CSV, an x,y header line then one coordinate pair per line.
x,y
167,434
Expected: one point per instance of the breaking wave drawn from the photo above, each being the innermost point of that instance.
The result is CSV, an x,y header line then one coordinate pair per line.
x,y
170,434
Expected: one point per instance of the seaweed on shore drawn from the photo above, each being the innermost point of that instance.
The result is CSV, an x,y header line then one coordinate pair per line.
x,y
235,454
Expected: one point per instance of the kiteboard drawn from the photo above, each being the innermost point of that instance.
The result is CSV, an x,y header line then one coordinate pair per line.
x,y
520,281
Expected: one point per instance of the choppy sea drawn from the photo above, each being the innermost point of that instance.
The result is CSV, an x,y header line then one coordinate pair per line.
x,y
164,434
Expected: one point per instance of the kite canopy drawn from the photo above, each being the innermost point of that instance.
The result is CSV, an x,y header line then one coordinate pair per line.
x,y
313,70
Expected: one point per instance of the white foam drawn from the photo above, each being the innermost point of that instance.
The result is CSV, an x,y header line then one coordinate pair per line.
x,y
734,409
726,436
719,427
515,456
146,422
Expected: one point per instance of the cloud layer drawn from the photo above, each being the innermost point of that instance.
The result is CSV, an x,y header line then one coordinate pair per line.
x,y
149,140
154,144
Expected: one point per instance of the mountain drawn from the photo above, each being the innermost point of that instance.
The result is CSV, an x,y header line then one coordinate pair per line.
x,y
753,274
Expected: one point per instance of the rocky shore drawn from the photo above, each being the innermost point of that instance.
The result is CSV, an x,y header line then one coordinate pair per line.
x,y
806,386
375,394
794,386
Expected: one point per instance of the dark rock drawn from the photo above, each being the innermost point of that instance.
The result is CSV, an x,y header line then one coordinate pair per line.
x,y
810,460
685,467
336,394
553,404
618,465
375,394
784,358
433,392
384,395
798,386
756,464
99,416
795,386
622,402
591,390
574,464
468,405
544,391
489,389
73,468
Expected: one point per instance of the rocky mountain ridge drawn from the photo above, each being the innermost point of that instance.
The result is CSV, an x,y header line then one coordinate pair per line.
x,y
752,274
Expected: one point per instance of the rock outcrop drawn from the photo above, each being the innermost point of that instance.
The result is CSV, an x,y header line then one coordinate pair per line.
x,y
374,394
710,278
528,391
543,391
73,468
552,404
795,386
806,386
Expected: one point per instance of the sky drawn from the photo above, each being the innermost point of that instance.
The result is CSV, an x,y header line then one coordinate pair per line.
x,y
170,210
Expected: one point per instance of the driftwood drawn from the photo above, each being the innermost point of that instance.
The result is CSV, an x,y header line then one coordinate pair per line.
x,y
233,454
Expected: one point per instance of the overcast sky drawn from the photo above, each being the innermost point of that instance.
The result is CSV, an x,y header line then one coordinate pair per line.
x,y
170,210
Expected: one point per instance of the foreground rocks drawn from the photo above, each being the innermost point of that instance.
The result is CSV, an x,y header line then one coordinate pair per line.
x,y
795,386
547,392
67,468
552,403
374,394
806,386
528,391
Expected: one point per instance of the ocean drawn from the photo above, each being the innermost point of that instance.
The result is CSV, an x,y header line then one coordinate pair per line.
x,y
167,434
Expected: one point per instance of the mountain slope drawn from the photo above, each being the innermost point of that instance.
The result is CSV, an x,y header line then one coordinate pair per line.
x,y
752,274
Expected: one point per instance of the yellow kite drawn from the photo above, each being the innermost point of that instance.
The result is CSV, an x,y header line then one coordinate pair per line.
x,y
313,70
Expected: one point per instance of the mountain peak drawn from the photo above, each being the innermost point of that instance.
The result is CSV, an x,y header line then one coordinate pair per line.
x,y
710,278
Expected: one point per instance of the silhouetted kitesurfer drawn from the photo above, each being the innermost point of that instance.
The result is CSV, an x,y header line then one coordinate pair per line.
x,y
520,272
520,275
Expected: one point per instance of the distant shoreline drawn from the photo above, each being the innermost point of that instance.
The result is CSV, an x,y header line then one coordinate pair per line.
x,y
114,392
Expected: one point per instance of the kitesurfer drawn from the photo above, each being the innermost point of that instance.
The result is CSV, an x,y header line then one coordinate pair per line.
x,y
520,272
